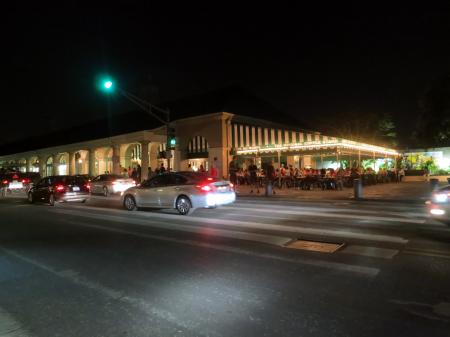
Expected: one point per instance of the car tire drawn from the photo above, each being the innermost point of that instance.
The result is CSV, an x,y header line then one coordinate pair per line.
x,y
51,200
183,205
129,203
105,191
30,198
83,201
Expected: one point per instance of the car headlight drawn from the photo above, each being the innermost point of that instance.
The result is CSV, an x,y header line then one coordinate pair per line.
x,y
441,197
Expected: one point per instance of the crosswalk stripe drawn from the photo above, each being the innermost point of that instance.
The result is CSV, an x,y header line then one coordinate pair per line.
x,y
357,269
270,239
331,215
343,234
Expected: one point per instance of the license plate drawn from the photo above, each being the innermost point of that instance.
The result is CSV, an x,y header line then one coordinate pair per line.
x,y
222,188
75,189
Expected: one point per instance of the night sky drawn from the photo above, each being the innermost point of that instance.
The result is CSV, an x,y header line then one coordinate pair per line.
x,y
307,61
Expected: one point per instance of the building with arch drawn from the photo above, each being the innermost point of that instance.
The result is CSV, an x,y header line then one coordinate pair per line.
x,y
213,130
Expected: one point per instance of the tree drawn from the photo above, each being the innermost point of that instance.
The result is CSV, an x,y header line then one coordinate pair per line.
x,y
433,126
363,127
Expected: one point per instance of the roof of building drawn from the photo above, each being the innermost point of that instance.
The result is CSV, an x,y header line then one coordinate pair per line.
x,y
232,99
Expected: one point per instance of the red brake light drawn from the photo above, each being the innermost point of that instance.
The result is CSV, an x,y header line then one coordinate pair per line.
x,y
88,186
204,188
115,182
60,188
5,182
231,185
25,181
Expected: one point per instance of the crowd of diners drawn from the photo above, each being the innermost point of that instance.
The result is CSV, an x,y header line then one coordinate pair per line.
x,y
287,176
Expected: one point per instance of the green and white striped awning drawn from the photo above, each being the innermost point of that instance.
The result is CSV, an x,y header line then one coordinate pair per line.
x,y
247,139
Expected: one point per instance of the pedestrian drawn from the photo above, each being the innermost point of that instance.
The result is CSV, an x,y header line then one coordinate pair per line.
x,y
401,174
134,174
162,169
149,173
138,173
130,171
190,169
232,169
270,176
252,169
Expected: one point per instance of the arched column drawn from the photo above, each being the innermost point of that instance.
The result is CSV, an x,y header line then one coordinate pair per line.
x,y
55,164
145,160
92,163
116,159
71,163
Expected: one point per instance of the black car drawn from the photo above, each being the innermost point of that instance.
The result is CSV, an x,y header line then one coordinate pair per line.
x,y
55,189
18,181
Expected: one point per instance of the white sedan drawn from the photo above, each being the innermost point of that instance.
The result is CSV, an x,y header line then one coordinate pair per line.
x,y
183,191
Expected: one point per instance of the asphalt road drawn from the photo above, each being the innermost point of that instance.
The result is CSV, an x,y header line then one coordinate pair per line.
x,y
97,270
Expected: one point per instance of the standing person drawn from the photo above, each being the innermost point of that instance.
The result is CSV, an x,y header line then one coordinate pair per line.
x,y
139,173
401,174
130,171
134,174
149,172
201,169
252,175
232,169
270,175
162,169
190,169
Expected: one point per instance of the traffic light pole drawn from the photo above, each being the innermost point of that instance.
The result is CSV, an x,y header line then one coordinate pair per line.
x,y
148,107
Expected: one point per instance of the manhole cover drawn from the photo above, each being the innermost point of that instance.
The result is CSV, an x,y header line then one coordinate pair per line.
x,y
316,246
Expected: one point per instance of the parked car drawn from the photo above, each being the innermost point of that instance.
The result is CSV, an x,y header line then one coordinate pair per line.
x,y
56,189
18,181
184,191
107,184
439,205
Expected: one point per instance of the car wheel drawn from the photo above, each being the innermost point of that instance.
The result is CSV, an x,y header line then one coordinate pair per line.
x,y
105,191
51,200
129,203
183,205
30,198
83,201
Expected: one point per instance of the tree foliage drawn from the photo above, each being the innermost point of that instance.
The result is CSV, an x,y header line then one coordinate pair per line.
x,y
433,126
365,127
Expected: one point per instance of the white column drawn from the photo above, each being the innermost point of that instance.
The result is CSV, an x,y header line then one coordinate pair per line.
x,y
55,165
145,160
116,159
71,163
92,163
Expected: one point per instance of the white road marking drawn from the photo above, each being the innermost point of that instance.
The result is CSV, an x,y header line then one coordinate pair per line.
x,y
270,239
330,215
253,225
10,327
428,252
74,277
383,253
341,210
366,271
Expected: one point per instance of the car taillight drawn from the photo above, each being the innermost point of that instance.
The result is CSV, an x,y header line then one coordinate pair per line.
x,y
25,181
231,185
5,182
204,188
115,182
88,186
60,188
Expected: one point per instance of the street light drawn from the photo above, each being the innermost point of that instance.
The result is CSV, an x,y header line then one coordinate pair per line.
x,y
108,86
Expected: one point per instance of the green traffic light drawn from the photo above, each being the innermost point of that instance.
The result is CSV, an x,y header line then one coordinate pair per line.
x,y
173,142
108,84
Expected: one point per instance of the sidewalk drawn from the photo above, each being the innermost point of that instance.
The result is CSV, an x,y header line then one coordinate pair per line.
x,y
415,191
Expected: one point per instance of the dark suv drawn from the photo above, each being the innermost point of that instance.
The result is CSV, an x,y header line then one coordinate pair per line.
x,y
55,189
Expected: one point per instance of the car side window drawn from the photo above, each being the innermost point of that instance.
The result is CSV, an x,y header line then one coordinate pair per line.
x,y
96,178
180,180
156,182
